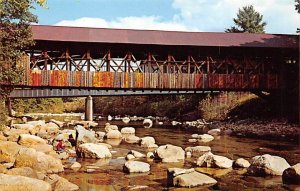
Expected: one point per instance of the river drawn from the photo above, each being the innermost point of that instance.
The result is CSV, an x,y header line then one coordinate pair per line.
x,y
109,173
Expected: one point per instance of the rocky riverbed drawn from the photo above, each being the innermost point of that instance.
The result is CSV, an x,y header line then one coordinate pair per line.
x,y
111,157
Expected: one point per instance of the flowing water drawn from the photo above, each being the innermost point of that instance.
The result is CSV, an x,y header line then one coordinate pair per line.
x,y
109,175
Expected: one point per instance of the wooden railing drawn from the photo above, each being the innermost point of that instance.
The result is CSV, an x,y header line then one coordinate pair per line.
x,y
138,80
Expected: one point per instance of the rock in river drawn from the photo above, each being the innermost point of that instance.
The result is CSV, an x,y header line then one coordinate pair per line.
x,y
128,130
268,165
60,184
91,150
241,163
114,134
205,138
197,150
8,151
188,178
16,183
291,175
170,153
84,135
214,161
39,161
136,167
27,140
214,132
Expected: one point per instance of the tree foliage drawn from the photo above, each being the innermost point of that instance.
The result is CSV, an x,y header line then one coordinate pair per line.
x,y
297,8
15,19
248,20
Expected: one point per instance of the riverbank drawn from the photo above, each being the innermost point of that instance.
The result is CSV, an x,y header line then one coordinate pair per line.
x,y
271,129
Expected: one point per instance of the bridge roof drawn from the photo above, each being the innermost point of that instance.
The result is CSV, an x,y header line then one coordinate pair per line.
x,y
169,38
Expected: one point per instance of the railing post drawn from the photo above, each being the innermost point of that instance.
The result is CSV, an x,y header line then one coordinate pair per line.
x,y
88,57
45,59
67,60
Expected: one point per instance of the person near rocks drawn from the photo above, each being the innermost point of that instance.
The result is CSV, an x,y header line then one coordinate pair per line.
x,y
60,146
72,140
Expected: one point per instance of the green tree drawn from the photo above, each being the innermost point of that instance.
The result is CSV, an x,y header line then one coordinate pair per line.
x,y
297,8
15,19
248,20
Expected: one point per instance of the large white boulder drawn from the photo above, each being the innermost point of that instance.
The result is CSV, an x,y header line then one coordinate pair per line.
x,y
188,178
84,135
266,164
91,150
197,150
214,132
126,120
205,138
291,175
132,139
137,154
148,142
109,127
16,183
60,184
39,161
170,153
114,134
27,140
136,167
59,123
147,123
8,151
241,163
214,161
128,130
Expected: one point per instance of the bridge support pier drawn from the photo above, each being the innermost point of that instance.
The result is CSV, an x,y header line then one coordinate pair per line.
x,y
89,108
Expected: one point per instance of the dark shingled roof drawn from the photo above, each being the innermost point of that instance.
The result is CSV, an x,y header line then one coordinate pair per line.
x,y
155,37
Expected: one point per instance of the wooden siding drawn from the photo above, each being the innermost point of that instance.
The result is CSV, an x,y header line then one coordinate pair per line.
x,y
135,80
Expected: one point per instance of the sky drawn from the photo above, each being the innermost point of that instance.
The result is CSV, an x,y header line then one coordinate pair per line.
x,y
171,15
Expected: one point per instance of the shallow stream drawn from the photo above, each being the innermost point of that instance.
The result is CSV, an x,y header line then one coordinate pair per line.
x,y
109,173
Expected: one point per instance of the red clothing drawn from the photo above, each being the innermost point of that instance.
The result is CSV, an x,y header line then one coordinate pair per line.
x,y
60,145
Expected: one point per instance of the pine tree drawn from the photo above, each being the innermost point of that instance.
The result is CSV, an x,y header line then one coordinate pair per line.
x,y
248,20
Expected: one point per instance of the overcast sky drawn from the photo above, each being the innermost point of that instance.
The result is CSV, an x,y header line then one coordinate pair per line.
x,y
174,15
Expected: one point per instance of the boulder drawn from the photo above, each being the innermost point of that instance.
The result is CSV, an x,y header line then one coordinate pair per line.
x,y
14,134
192,140
214,161
58,123
128,130
241,163
60,184
91,150
114,134
84,135
148,142
100,134
126,120
147,123
132,139
75,166
16,183
45,148
3,138
136,167
105,144
27,127
23,171
37,123
51,128
268,165
86,124
137,154
27,140
109,127
150,155
129,157
8,151
291,175
197,150
170,153
214,132
39,161
205,138
195,136
188,178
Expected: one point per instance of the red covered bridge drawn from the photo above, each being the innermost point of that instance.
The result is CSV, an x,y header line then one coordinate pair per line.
x,y
73,61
